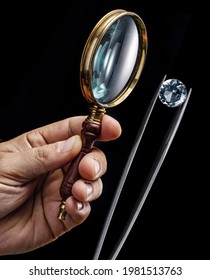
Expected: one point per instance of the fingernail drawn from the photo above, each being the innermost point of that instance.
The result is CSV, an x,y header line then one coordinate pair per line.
x,y
96,166
89,188
68,144
79,205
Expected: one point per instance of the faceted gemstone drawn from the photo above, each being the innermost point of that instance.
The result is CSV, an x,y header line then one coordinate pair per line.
x,y
172,93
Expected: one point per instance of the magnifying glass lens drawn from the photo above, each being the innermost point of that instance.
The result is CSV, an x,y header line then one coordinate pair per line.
x,y
115,60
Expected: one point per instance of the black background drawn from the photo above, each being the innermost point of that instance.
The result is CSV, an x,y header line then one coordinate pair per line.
x,y
41,50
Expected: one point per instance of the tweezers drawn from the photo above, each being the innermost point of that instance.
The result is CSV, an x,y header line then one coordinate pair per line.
x,y
164,147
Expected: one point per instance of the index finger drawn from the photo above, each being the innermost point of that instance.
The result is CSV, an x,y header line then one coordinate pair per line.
x,y
62,130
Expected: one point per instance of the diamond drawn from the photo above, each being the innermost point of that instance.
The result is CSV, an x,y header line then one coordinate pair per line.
x,y
172,93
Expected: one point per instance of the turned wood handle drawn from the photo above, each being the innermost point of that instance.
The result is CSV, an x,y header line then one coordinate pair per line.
x,y
90,132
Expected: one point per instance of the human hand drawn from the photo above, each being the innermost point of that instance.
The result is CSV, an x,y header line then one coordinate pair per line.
x,y
31,172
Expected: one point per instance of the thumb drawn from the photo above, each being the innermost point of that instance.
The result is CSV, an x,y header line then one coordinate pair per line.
x,y
39,160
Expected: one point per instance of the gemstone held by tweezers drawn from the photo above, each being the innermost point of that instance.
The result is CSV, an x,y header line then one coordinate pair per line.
x,y
172,93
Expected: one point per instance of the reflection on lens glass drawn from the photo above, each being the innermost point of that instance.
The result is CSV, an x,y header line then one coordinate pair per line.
x,y
115,60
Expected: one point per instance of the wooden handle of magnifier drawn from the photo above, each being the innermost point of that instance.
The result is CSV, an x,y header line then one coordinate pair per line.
x,y
90,132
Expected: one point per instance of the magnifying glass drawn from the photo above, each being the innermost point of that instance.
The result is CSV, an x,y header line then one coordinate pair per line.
x,y
111,64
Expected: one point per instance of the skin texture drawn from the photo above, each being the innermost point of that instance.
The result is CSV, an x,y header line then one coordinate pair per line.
x,y
31,170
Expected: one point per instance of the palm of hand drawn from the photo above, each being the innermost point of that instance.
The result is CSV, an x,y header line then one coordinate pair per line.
x,y
30,219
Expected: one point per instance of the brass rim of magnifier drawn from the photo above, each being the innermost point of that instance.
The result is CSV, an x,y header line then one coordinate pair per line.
x,y
91,47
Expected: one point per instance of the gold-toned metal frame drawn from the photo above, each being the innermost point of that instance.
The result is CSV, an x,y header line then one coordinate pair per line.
x,y
91,48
